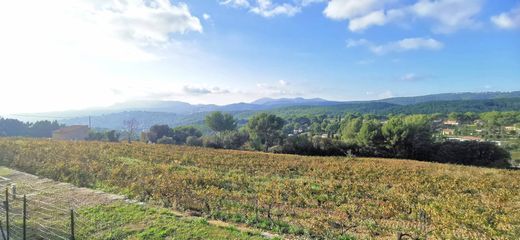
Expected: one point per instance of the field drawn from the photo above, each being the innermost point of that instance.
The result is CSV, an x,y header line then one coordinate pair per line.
x,y
310,197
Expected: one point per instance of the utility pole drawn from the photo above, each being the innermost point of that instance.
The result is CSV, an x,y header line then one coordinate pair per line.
x,y
7,228
24,217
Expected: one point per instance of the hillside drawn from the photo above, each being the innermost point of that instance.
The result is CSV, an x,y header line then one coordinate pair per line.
x,y
382,108
451,97
314,197
263,104
147,119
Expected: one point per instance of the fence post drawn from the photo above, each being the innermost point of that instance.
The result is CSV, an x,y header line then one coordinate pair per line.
x,y
24,217
72,236
2,230
7,213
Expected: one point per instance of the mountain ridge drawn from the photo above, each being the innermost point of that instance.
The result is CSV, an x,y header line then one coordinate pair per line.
x,y
262,104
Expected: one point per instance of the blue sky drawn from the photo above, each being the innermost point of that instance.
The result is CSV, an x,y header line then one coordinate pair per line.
x,y
72,54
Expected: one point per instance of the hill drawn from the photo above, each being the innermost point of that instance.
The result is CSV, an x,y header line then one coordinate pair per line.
x,y
147,119
310,197
383,108
451,97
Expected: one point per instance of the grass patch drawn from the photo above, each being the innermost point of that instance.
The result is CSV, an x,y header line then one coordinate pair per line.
x,y
130,221
5,171
515,155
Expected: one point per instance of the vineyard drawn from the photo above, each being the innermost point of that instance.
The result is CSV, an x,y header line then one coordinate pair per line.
x,y
309,197
38,208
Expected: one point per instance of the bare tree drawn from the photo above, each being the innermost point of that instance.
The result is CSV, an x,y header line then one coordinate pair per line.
x,y
131,127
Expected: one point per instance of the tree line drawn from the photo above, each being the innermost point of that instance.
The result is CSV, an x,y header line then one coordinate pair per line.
x,y
39,129
406,137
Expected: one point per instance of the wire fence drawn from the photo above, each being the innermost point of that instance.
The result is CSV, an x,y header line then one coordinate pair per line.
x,y
43,212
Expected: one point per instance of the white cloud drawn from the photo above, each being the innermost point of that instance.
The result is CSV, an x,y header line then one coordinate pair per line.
x,y
58,54
191,90
206,16
419,43
403,45
283,83
349,9
268,8
412,77
280,88
122,30
373,18
508,20
236,3
447,15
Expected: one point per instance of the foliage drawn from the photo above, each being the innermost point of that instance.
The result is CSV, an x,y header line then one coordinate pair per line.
x,y
315,197
194,141
107,136
158,131
317,146
266,128
234,139
472,153
180,134
383,108
166,140
40,129
220,122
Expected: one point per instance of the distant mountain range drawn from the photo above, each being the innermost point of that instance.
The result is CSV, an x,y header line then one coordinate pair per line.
x,y
177,113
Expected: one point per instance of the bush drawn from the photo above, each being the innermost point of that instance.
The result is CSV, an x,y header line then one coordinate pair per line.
x,y
181,134
165,140
316,146
472,153
194,141
212,141
233,139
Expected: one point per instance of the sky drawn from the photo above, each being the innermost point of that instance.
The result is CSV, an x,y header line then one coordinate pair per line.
x,y
74,54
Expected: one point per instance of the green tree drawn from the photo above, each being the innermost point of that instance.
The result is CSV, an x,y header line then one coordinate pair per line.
x,y
370,135
220,122
159,131
112,136
350,128
408,137
266,128
180,134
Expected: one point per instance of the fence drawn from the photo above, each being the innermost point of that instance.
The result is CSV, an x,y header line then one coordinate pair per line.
x,y
38,213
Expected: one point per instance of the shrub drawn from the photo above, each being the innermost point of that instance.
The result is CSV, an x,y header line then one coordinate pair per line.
x,y
212,141
165,140
472,153
233,139
194,141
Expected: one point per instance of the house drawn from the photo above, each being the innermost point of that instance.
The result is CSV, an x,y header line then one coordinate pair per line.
x,y
466,139
511,128
448,132
451,123
75,132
